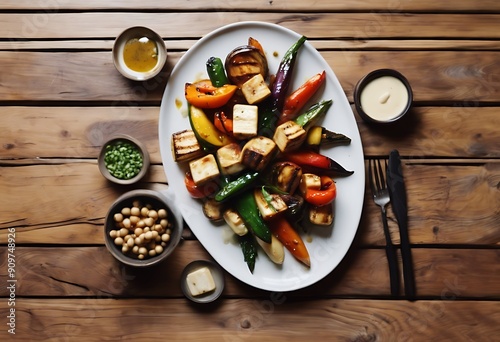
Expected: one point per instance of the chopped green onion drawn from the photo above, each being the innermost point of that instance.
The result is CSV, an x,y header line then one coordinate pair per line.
x,y
123,160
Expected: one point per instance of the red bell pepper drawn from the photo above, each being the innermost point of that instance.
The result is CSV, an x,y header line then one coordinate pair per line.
x,y
203,94
315,162
289,237
323,196
199,191
297,99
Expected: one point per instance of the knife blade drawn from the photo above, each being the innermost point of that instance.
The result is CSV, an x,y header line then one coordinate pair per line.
x,y
397,193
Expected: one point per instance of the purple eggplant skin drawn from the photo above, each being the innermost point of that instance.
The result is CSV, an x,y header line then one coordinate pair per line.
x,y
279,89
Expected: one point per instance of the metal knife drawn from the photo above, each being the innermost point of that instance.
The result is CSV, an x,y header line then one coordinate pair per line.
x,y
397,192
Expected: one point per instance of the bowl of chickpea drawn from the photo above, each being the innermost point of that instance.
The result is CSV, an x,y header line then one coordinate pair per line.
x,y
142,228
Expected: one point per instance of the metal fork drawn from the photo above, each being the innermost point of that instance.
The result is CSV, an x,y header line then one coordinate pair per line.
x,y
381,198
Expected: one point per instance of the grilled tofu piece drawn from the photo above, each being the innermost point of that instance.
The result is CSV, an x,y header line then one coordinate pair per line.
x,y
245,121
269,209
185,146
255,89
258,152
274,250
289,136
321,216
309,181
229,158
286,176
235,222
204,169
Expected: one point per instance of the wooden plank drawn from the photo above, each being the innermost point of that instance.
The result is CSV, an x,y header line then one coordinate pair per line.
x,y
463,78
319,25
254,319
439,273
51,6
79,132
323,44
448,204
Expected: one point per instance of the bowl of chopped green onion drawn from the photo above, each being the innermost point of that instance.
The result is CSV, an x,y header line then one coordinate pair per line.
x,y
123,159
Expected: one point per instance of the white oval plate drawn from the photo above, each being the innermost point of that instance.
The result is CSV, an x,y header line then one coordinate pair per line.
x,y
326,246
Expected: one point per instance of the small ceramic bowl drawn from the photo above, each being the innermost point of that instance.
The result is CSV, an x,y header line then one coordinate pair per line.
x,y
117,139
217,274
156,201
383,96
136,69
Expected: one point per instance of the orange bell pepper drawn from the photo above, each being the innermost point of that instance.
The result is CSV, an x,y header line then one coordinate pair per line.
x,y
203,94
289,237
325,195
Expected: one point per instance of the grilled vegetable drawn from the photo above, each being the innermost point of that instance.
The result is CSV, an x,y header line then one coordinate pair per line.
x,y
228,158
274,250
323,196
309,181
314,162
321,216
255,89
270,117
318,136
237,186
245,120
285,176
216,72
235,222
249,249
185,146
297,100
199,191
269,205
203,94
204,169
209,137
243,63
292,241
258,152
212,209
295,205
246,206
223,123
314,113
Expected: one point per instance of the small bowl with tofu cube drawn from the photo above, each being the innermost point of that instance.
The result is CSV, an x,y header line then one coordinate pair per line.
x,y
202,281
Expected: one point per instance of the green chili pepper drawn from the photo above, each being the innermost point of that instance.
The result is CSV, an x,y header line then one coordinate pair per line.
x,y
216,72
246,206
236,186
313,114
249,249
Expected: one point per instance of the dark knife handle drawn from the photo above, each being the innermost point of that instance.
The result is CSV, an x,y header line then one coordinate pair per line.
x,y
392,259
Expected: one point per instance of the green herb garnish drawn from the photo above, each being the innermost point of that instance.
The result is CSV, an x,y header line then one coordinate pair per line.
x,y
123,160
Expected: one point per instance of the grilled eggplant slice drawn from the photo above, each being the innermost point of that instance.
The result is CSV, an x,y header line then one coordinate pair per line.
x,y
285,176
243,63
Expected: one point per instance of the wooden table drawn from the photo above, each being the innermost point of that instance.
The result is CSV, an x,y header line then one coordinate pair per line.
x,y
61,97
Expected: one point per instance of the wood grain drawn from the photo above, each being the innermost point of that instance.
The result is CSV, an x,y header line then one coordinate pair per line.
x,y
258,5
462,78
251,319
439,273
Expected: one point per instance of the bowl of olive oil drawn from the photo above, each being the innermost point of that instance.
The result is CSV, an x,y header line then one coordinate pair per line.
x,y
139,53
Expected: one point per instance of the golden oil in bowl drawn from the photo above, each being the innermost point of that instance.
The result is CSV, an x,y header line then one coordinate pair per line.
x,y
140,54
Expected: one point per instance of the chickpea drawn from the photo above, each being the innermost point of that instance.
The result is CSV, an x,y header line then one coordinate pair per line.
x,y
162,213
154,234
113,234
158,238
130,242
126,211
135,249
141,224
149,206
158,249
137,241
134,220
136,203
163,244
123,232
143,250
118,217
127,237
148,236
149,221
140,256
135,211
118,241
125,248
147,229
137,231
126,223
165,237
152,252
164,223
144,211
153,214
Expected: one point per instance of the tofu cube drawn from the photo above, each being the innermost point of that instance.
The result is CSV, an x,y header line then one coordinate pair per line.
x,y
269,210
289,136
255,89
200,281
229,158
204,169
309,181
185,146
245,121
321,216
258,152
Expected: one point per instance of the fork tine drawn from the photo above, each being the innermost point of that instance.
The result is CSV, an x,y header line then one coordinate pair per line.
x,y
378,173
